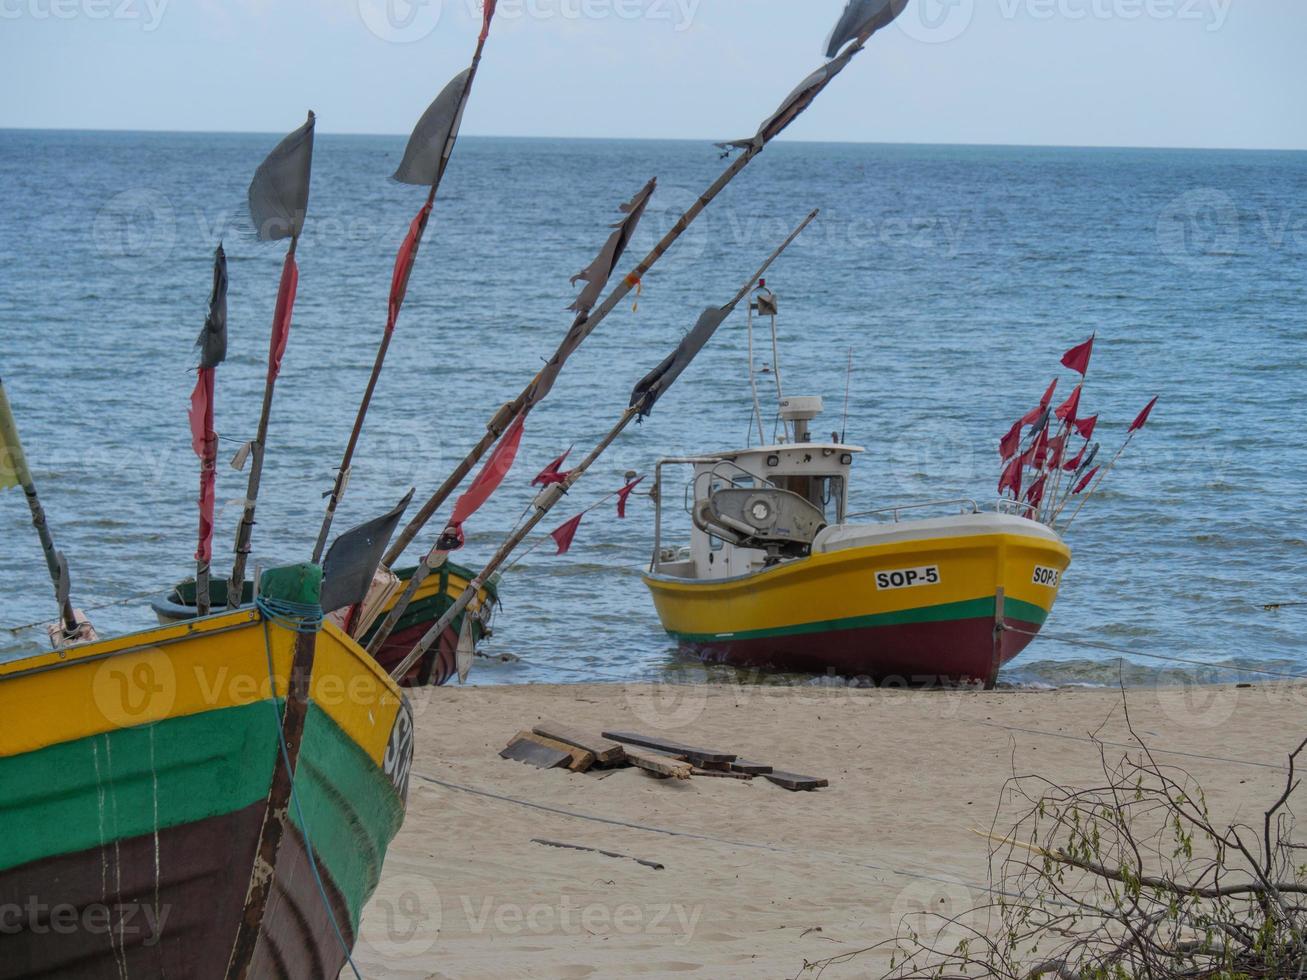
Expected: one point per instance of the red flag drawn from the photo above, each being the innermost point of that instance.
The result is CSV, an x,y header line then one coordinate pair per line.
x,y
1086,481
624,495
1032,416
1039,451
1012,477
1056,447
205,443
1086,427
1142,420
1035,495
487,12
1010,444
1068,409
290,278
566,533
404,266
1077,358
1073,464
552,473
491,475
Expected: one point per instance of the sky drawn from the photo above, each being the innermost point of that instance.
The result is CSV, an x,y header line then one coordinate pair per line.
x,y
1171,73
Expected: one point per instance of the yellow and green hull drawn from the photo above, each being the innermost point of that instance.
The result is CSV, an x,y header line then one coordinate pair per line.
x,y
873,611
137,783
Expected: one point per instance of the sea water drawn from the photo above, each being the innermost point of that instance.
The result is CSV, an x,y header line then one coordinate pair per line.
x,y
957,276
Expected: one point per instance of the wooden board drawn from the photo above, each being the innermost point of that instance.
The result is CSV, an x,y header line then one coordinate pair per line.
x,y
794,782
696,755
721,775
606,753
752,768
581,759
533,753
659,765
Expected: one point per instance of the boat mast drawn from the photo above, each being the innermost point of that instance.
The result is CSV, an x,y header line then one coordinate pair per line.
x,y
753,386
15,472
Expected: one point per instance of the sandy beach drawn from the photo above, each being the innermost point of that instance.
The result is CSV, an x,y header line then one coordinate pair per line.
x,y
757,881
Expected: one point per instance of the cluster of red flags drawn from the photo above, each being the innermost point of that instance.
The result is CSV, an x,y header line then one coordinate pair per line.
x,y
1045,450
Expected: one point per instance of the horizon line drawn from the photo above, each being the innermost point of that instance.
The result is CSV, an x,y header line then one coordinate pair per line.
x,y
670,139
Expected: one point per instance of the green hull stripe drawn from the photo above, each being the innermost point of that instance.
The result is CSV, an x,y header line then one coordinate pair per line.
x,y
78,795
1026,612
350,807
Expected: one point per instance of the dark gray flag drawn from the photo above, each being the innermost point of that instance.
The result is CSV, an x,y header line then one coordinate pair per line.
x,y
1088,461
353,559
279,193
212,340
433,136
597,274
862,19
795,103
657,381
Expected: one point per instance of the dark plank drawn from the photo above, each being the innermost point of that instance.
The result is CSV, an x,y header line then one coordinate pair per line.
x,y
794,782
532,753
752,768
659,765
721,775
696,755
606,752
594,850
581,759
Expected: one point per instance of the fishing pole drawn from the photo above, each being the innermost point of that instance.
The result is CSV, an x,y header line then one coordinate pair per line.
x,y
435,134
647,392
852,32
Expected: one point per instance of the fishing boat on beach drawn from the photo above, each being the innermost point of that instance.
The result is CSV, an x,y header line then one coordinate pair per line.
x,y
778,574
206,799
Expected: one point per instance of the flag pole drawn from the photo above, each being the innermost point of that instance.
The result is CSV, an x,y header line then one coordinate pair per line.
x,y
245,530
404,262
751,149
551,495
793,107
208,471
14,471
278,204
1097,483
212,343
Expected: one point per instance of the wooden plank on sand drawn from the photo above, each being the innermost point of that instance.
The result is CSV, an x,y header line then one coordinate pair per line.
x,y
581,759
794,782
695,755
659,765
606,752
721,775
752,768
533,753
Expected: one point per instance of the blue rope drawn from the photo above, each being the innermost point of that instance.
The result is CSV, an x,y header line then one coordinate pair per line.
x,y
283,614
298,617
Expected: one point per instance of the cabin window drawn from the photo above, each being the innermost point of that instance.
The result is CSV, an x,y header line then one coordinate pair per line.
x,y
826,493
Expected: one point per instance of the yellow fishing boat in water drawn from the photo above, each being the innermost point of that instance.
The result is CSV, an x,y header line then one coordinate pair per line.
x,y
778,574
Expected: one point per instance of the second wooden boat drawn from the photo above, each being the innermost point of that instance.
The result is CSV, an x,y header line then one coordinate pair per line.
x,y
436,594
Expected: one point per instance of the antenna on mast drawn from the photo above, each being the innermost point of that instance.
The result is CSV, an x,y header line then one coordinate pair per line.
x,y
848,382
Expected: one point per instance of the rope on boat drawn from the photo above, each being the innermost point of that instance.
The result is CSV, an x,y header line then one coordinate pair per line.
x,y
281,613
298,617
1126,651
90,609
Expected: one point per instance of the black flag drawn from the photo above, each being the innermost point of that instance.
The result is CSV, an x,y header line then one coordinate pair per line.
x,y
657,381
279,193
353,559
861,19
212,340
433,137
